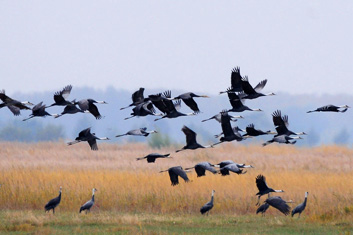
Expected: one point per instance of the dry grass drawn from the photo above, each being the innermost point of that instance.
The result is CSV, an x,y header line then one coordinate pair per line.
x,y
32,173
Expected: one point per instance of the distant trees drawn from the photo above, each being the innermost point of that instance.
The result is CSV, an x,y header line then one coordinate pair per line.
x,y
342,137
159,140
33,132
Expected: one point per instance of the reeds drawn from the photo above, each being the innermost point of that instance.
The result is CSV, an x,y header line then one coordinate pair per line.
x,y
31,174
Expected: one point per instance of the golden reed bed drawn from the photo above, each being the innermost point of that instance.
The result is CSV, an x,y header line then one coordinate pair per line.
x,y
32,173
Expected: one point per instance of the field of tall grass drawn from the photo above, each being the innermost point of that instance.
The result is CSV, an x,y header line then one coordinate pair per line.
x,y
31,174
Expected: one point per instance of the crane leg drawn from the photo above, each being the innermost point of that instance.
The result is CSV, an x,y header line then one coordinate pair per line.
x,y
258,201
53,211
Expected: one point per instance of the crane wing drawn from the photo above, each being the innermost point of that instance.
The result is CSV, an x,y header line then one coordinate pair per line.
x,y
235,80
14,110
261,183
4,97
137,96
248,89
92,108
192,104
279,204
190,135
260,85
93,144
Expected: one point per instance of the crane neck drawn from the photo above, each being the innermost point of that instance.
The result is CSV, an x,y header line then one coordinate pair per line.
x,y
305,201
93,197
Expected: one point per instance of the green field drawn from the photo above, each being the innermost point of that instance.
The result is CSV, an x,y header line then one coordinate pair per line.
x,y
37,222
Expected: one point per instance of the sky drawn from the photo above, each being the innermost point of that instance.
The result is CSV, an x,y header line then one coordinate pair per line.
x,y
301,47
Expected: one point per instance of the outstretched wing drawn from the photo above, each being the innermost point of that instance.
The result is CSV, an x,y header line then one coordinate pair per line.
x,y
192,104
248,89
279,204
84,133
261,183
278,120
92,108
260,86
37,106
137,96
4,97
60,96
14,110
235,80
234,100
93,144
190,135
226,126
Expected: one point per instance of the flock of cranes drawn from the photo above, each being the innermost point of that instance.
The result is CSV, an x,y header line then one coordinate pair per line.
x,y
169,107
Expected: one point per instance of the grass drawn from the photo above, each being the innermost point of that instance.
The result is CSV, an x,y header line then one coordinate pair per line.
x,y
116,222
133,197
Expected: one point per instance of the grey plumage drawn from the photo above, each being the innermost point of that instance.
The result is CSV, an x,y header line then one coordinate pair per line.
x,y
233,167
208,206
138,132
300,208
88,205
201,168
263,208
174,173
279,204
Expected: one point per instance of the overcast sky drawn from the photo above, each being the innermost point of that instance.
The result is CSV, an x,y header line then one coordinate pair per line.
x,y
299,46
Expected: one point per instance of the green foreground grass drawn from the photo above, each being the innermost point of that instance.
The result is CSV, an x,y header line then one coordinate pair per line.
x,y
37,222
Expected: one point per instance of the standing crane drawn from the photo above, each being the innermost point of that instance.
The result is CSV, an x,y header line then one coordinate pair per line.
x,y
86,135
300,208
263,188
88,205
151,158
208,206
201,168
14,106
263,208
191,142
53,202
331,108
174,172
61,96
